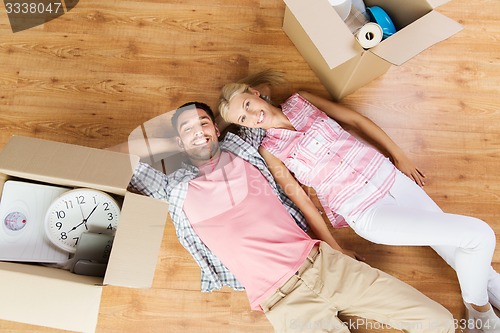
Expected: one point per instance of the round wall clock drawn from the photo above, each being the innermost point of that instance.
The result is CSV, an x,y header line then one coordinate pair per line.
x,y
77,211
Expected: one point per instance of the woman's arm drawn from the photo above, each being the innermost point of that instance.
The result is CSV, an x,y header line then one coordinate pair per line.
x,y
297,194
367,129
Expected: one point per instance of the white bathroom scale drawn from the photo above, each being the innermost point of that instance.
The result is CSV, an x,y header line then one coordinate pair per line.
x,y
23,207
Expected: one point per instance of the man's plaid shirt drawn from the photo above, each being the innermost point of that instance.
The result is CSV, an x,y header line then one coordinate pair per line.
x,y
173,188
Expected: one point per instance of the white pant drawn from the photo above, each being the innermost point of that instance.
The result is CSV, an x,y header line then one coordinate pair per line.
x,y
408,216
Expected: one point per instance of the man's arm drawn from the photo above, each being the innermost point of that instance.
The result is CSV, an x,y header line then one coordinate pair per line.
x,y
147,148
147,180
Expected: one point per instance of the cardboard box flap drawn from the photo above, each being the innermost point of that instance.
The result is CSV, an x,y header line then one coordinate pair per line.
x,y
41,160
49,297
137,243
415,38
325,28
437,3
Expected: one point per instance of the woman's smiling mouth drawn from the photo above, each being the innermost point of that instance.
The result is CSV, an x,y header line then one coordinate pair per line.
x,y
261,117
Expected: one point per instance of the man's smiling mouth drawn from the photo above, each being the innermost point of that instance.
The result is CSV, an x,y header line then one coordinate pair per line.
x,y
200,142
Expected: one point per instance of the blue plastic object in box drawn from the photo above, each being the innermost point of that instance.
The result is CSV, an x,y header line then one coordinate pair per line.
x,y
379,16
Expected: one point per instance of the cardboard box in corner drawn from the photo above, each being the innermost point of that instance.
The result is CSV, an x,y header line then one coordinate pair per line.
x,y
52,297
334,54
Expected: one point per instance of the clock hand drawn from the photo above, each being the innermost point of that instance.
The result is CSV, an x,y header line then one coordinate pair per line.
x,y
91,212
81,210
84,222
83,217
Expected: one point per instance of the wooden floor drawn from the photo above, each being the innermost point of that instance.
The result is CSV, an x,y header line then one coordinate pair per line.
x,y
94,74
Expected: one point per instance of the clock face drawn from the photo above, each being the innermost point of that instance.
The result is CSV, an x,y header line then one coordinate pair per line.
x,y
78,211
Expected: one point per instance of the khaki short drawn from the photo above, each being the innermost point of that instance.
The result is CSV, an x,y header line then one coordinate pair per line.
x,y
330,282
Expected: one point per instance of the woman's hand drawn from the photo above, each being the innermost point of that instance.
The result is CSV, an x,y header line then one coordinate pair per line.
x,y
406,166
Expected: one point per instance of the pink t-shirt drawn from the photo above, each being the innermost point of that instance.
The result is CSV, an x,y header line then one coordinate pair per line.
x,y
236,213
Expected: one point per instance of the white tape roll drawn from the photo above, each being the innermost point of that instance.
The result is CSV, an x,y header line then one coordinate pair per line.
x,y
369,35
342,7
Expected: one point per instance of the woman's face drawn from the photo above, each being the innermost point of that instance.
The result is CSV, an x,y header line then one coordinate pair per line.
x,y
249,110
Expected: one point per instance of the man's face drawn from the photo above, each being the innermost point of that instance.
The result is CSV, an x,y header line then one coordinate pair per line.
x,y
198,136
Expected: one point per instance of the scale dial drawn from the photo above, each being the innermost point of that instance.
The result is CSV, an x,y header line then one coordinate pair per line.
x,y
15,221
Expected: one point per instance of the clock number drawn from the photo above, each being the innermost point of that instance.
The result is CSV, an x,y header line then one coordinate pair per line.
x,y
76,240
64,235
80,199
106,204
59,225
110,216
69,204
61,214
110,227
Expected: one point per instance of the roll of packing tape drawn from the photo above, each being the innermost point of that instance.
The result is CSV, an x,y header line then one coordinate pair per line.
x,y
369,35
342,7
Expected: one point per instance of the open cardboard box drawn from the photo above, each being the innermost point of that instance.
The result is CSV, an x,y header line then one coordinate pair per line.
x,y
54,297
334,54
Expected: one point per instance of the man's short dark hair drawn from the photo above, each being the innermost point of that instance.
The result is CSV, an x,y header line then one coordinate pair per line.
x,y
191,106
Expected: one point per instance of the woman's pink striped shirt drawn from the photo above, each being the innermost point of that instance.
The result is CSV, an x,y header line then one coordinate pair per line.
x,y
347,174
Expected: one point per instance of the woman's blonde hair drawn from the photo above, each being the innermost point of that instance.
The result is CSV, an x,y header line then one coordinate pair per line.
x,y
265,77
228,92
